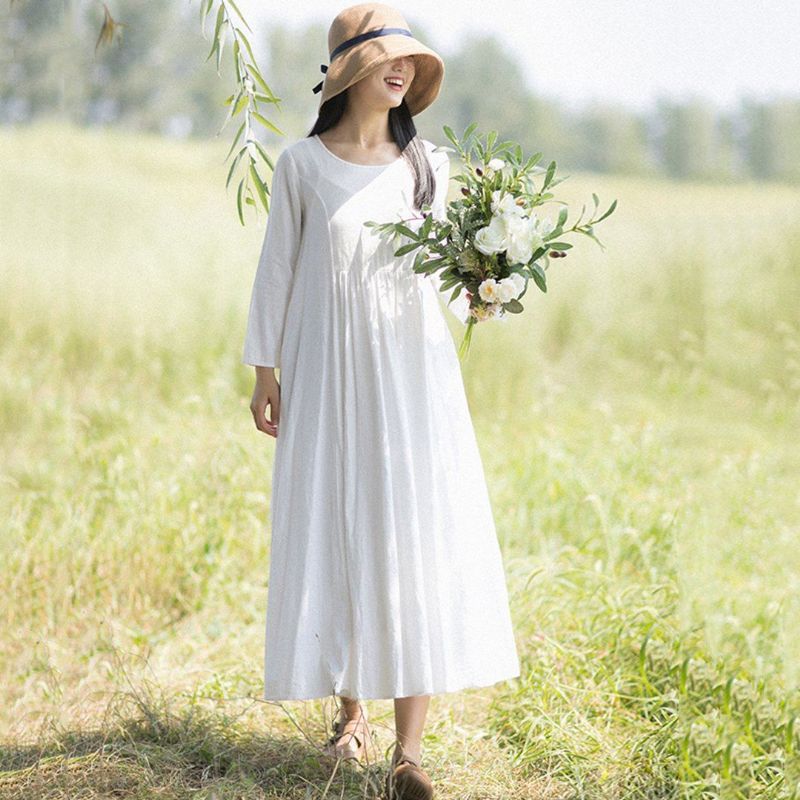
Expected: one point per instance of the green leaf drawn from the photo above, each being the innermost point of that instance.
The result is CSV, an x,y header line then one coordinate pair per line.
x,y
264,121
233,165
407,248
261,82
218,24
514,306
246,43
610,210
549,175
235,139
219,52
559,245
259,185
213,49
405,231
263,153
205,7
236,9
449,283
425,228
240,105
236,55
539,277
239,200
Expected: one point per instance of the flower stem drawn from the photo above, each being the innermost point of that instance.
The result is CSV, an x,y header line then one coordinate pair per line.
x,y
463,348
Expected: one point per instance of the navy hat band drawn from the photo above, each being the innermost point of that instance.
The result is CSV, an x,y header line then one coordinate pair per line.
x,y
362,37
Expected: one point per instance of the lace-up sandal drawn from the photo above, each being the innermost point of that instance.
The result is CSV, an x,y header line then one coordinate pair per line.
x,y
406,780
351,739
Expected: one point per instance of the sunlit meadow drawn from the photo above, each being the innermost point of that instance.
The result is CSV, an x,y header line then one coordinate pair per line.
x,y
639,429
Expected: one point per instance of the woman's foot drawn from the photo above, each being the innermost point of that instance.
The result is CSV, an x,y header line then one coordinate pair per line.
x,y
351,738
406,780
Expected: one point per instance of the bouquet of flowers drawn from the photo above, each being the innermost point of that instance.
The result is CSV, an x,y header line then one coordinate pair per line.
x,y
492,241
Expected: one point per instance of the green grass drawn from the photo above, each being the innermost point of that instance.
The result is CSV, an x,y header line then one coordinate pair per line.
x,y
638,426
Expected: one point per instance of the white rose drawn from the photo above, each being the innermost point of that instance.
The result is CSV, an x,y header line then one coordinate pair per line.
x,y
518,281
505,204
507,290
493,237
489,291
523,239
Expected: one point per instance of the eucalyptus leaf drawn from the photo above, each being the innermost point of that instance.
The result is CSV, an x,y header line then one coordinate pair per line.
x,y
610,210
407,248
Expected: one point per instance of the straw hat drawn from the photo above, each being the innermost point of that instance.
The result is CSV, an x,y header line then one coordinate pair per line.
x,y
362,38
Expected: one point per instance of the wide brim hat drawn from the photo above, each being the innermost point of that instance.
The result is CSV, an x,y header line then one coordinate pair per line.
x,y
364,37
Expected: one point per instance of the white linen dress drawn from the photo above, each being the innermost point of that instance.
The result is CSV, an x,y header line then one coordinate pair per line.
x,y
385,576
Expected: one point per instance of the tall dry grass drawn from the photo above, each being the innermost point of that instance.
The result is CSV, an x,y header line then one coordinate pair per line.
x,y
638,427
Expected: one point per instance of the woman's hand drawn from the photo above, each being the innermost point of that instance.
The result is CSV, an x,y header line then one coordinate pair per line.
x,y
267,392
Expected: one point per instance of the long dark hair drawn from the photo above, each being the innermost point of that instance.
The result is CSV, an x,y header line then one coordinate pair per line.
x,y
404,132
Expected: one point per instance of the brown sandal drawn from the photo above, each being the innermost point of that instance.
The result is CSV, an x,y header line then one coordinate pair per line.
x,y
406,780
350,740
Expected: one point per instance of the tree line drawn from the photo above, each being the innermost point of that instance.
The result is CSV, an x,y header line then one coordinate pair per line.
x,y
155,78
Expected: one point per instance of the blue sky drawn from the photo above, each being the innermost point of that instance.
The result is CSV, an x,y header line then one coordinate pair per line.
x,y
611,50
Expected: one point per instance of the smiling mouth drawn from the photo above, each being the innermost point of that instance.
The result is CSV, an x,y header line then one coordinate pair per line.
x,y
396,86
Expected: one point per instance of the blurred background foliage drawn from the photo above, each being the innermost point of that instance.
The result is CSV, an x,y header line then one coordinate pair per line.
x,y
154,79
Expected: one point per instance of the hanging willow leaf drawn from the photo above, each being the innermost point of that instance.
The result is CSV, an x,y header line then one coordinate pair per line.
x,y
205,7
235,139
236,9
268,124
229,14
233,165
109,28
239,200
262,192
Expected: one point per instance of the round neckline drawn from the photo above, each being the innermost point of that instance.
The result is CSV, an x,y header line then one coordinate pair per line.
x,y
353,163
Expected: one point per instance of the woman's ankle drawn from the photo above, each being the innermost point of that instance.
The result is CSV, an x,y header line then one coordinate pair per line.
x,y
352,709
411,750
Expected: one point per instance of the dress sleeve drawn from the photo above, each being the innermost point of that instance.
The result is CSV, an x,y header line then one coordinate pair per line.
x,y
273,279
460,306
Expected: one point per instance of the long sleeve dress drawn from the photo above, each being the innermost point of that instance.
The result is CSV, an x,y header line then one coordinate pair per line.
x,y
385,577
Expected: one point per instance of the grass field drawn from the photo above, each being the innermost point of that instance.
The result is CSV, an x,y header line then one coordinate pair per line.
x,y
639,430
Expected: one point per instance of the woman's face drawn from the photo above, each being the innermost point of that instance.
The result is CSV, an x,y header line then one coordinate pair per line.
x,y
386,86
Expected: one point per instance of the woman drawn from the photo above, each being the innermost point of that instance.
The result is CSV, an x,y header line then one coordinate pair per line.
x,y
386,578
